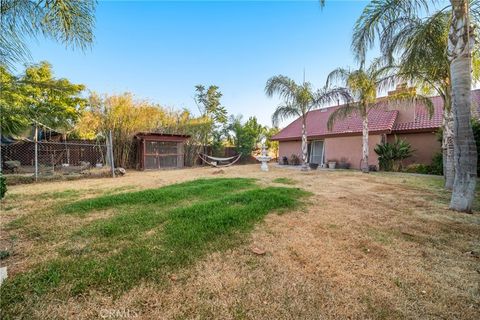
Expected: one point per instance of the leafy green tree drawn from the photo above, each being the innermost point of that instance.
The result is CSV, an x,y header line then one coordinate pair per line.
x,y
70,22
272,146
52,102
245,136
209,104
208,101
381,16
36,97
298,100
13,118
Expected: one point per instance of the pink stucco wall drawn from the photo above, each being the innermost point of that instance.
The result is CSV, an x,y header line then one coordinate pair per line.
x,y
350,148
287,148
336,148
425,144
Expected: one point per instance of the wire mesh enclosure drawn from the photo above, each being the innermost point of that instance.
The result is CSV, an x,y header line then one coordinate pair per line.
x,y
160,151
46,158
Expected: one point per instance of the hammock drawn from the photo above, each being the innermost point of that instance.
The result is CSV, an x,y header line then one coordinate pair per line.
x,y
219,162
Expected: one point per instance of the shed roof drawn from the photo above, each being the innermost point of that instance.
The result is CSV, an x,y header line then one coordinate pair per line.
x,y
159,134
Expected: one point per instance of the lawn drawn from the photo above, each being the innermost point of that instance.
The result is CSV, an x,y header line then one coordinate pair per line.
x,y
186,244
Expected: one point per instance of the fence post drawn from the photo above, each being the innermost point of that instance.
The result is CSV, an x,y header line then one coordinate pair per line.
x,y
35,139
110,151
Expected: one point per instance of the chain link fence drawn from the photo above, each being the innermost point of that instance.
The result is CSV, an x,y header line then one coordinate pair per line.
x,y
29,160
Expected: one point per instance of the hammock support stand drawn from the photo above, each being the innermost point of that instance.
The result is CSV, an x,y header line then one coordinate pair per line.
x,y
219,162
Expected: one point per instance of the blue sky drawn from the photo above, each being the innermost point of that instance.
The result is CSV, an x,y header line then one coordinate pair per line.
x,y
160,50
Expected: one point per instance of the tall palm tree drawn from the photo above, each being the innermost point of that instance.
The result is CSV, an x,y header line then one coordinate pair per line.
x,y
69,22
363,85
422,59
298,101
381,18
460,44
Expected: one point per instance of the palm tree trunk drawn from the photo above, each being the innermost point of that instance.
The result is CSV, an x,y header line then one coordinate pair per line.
x,y
465,153
448,153
365,167
304,145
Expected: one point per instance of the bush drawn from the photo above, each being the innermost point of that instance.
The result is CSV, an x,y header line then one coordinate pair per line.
x,y
295,160
437,164
436,167
418,168
390,155
3,186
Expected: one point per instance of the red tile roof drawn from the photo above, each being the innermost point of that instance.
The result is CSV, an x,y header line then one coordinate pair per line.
x,y
379,121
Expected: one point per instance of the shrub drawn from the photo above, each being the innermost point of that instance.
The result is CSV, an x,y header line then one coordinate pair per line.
x,y
3,186
437,164
391,155
295,160
418,168
436,167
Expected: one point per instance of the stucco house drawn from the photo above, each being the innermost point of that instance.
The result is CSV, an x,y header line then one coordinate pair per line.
x,y
344,142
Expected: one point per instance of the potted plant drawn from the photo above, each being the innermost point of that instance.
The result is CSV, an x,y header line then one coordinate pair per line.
x,y
313,166
332,163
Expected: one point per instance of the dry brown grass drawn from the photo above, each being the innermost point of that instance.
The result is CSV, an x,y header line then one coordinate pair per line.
x,y
366,246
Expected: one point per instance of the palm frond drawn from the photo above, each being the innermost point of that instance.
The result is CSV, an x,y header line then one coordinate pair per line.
x,y
70,22
339,75
326,96
377,16
407,98
285,87
342,113
283,112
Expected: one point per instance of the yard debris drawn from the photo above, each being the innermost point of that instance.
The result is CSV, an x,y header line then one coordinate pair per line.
x,y
12,165
220,171
258,251
173,277
472,253
120,171
3,274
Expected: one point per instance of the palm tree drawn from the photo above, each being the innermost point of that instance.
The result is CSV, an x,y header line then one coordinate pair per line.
x,y
381,19
66,21
460,44
299,100
363,85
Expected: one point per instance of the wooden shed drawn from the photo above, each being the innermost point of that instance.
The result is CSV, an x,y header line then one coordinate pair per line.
x,y
159,150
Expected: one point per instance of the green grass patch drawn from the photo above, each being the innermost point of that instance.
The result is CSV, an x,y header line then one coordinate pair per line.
x,y
162,196
285,181
152,234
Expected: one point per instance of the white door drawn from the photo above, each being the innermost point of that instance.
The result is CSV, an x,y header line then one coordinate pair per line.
x,y
316,153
